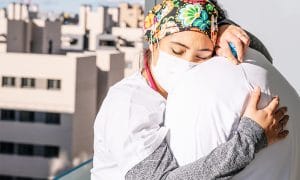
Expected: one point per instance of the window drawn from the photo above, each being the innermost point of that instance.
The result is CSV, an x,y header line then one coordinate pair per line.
x,y
8,81
7,148
39,151
52,118
27,83
25,149
46,151
53,84
26,116
50,48
74,42
7,115
23,178
51,151
5,177
107,43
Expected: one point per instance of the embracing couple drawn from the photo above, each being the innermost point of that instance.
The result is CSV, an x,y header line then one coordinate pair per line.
x,y
191,113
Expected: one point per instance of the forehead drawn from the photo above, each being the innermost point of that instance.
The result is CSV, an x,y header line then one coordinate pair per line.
x,y
189,38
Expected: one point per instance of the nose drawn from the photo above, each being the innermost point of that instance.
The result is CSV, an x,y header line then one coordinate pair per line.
x,y
189,57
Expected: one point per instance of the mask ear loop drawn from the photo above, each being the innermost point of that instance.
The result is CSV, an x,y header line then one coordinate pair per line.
x,y
214,30
147,68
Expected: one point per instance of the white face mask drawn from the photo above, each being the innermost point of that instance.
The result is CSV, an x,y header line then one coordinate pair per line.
x,y
168,69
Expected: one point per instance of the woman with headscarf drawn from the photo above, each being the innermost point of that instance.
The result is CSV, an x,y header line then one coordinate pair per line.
x,y
130,138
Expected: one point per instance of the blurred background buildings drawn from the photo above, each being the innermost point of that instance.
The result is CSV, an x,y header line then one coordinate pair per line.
x,y
55,70
56,67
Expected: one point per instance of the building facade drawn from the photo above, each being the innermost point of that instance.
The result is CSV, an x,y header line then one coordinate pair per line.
x,y
36,36
131,15
47,109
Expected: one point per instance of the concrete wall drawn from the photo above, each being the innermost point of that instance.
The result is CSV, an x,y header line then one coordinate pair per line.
x,y
75,101
97,23
131,15
110,64
46,37
53,34
133,58
40,134
43,67
38,34
66,44
3,47
130,34
18,11
18,38
85,109
115,14
3,25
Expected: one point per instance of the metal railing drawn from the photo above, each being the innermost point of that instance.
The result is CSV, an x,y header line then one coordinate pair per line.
x,y
80,172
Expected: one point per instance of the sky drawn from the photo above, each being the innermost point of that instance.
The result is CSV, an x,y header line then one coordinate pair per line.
x,y
68,5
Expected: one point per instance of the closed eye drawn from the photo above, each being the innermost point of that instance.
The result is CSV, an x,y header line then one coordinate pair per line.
x,y
177,52
203,58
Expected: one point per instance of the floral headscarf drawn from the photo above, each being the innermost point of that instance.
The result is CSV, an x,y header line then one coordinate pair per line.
x,y
173,16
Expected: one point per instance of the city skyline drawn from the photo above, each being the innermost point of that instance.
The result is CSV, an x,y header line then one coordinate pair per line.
x,y
67,6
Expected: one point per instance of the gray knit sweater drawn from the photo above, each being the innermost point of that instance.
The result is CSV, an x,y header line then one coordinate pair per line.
x,y
222,163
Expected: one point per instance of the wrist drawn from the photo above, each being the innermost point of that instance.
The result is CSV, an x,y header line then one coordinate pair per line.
x,y
254,131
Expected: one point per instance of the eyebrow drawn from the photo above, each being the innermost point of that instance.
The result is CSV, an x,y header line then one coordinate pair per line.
x,y
180,44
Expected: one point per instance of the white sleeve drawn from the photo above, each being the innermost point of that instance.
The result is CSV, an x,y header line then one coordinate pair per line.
x,y
143,137
130,132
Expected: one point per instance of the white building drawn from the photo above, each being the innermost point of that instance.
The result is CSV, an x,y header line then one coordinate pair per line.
x,y
47,108
131,15
133,59
22,11
34,36
3,30
114,12
131,44
91,23
110,69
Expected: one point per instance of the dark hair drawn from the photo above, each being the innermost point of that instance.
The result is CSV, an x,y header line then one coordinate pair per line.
x,y
222,12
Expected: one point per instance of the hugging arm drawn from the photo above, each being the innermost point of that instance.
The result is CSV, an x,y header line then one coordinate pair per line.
x,y
223,162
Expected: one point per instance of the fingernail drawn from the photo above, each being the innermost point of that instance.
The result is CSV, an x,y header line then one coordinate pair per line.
x,y
256,89
276,97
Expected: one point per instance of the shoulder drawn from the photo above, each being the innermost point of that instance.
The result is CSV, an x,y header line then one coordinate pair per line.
x,y
134,91
130,103
129,121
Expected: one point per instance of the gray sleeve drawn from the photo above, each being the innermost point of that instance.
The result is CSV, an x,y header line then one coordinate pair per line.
x,y
223,162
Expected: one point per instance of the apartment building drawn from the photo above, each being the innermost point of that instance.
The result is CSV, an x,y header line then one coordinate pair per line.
x,y
3,30
35,36
110,70
131,44
131,15
47,108
92,23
